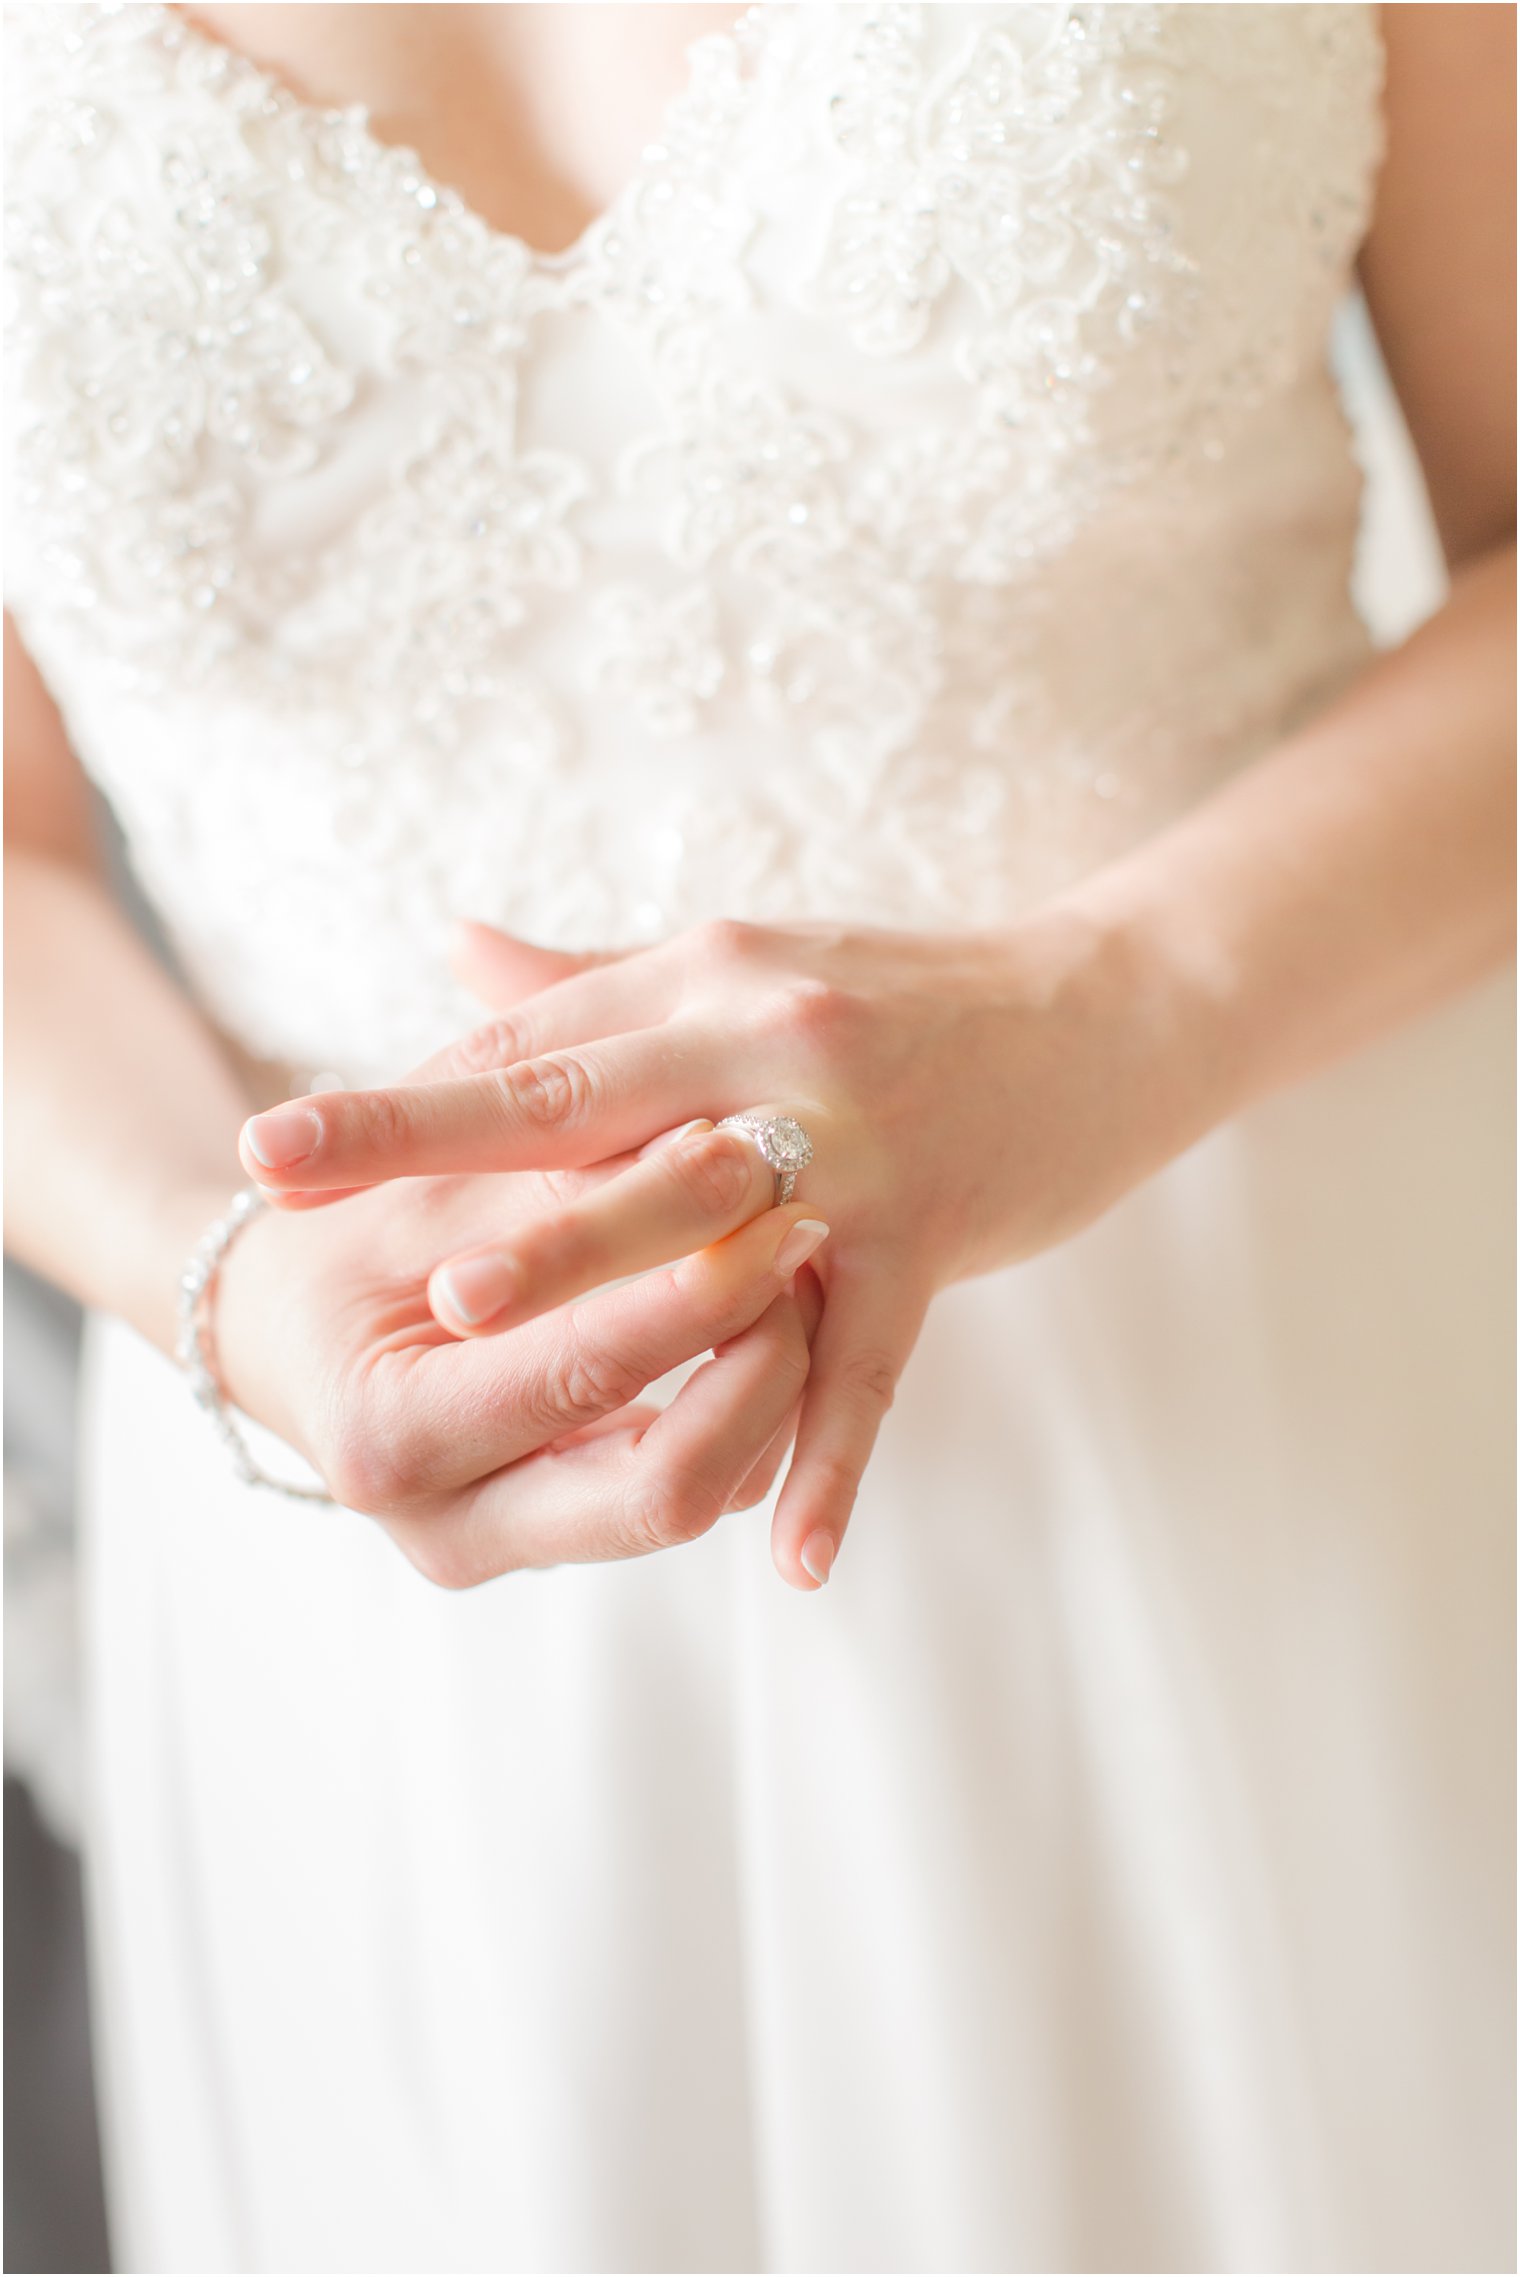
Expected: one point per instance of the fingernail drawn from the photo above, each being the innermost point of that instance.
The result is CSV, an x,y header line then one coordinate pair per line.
x,y
283,1137
669,1138
477,1287
818,1556
798,1244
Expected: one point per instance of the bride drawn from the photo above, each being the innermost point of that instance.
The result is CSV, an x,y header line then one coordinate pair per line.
x,y
623,568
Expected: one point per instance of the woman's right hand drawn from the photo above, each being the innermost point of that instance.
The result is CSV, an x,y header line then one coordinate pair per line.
x,y
486,1454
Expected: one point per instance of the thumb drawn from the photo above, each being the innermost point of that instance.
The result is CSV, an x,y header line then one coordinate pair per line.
x,y
501,970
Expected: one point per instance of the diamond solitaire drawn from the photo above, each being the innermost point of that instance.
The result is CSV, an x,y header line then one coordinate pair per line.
x,y
781,1140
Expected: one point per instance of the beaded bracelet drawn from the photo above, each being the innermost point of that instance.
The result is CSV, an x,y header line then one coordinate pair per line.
x,y
195,1350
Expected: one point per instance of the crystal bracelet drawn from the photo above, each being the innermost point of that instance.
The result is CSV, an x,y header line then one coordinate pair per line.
x,y
196,1352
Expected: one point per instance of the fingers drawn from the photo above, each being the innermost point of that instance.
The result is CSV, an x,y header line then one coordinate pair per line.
x,y
869,1327
503,971
308,1201
499,968
623,1493
573,1001
472,1407
757,1483
698,1458
567,1109
681,1198
550,1186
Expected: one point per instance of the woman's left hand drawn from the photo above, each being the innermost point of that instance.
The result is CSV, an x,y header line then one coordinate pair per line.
x,y
971,1099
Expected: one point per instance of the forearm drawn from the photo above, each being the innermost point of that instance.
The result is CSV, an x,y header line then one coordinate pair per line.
x,y
121,1115
1352,879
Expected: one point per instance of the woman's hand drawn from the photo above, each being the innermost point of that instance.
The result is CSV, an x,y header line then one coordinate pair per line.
x,y
972,1099
526,1449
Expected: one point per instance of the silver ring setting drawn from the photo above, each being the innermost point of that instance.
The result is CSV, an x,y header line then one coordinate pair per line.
x,y
782,1141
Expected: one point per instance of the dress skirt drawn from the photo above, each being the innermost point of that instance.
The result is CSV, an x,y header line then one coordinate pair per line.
x,y
1111,1869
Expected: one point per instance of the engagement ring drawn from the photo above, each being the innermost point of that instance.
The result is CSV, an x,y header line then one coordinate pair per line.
x,y
783,1142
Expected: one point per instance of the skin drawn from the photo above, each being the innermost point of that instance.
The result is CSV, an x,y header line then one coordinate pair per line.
x,y
536,115
973,1099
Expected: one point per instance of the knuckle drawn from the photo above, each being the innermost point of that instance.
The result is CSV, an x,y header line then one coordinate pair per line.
x,y
377,1119
787,1357
720,937
368,1470
834,1482
727,941
443,1555
555,1247
761,1479
552,1093
499,1043
660,1512
868,1380
642,1512
716,1175
378,1447
562,1186
822,1015
809,1015
592,1382
712,1310
695,1512
790,1363
755,1489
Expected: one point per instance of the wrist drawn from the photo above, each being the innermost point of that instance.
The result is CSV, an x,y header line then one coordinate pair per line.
x,y
1165,990
200,1354
1108,1039
167,1229
250,1340
240,1305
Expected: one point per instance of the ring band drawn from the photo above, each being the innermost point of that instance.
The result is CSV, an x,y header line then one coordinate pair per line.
x,y
782,1141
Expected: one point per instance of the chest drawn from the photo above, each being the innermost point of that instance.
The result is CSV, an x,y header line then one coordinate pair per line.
x,y
536,115
901,305
920,478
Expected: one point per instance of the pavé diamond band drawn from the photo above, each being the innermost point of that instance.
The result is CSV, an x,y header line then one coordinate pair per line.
x,y
783,1142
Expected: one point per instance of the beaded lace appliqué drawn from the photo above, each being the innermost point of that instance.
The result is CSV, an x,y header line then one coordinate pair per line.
x,y
873,437
1037,169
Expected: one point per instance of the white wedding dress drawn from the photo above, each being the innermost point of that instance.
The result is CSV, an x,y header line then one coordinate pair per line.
x,y
922,483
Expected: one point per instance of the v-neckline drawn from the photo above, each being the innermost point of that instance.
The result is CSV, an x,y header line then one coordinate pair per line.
x,y
356,118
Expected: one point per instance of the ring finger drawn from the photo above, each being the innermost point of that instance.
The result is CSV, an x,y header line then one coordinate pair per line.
x,y
494,1400
703,1185
632,1486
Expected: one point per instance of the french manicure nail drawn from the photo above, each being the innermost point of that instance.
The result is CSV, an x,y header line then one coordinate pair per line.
x,y
669,1138
477,1287
283,1137
818,1555
798,1243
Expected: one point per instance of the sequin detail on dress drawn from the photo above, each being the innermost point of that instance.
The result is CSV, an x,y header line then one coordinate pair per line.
x,y
749,558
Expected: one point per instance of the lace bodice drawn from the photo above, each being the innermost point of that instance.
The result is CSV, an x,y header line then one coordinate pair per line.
x,y
921,482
